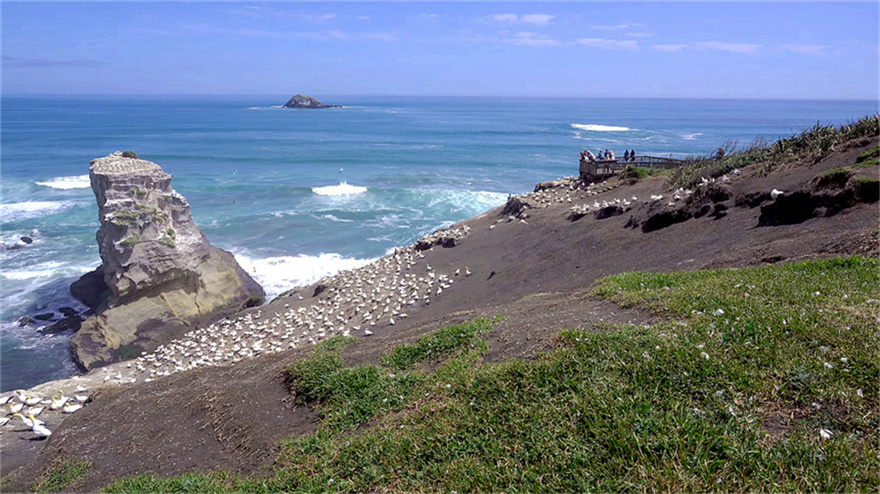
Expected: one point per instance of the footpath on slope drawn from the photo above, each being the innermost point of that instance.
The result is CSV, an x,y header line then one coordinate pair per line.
x,y
531,261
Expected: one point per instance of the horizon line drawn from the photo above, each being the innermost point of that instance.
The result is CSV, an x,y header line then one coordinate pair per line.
x,y
339,95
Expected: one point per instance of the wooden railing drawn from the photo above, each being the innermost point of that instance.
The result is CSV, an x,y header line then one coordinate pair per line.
x,y
608,167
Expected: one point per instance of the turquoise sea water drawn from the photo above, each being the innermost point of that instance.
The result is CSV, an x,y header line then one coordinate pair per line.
x,y
299,194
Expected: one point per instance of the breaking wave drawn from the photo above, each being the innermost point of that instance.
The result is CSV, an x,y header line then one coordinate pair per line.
x,y
343,189
600,128
66,183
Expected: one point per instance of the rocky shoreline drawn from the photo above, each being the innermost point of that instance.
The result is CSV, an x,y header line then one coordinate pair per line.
x,y
531,258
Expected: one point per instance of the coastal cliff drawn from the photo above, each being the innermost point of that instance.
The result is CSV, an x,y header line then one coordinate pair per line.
x,y
159,276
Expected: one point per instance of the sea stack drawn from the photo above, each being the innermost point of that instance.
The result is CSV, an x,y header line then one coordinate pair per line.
x,y
302,101
160,277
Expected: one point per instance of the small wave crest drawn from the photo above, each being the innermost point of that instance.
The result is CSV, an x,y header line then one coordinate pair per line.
x,y
332,217
600,128
279,274
342,189
67,183
33,209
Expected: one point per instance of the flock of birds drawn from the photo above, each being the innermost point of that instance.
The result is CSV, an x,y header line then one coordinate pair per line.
x,y
28,406
350,303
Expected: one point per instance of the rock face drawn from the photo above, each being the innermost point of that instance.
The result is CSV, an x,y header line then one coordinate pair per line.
x,y
160,277
302,101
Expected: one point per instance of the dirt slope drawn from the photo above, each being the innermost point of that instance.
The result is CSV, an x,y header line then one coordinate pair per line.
x,y
536,271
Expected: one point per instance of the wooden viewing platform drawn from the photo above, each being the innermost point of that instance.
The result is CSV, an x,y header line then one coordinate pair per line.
x,y
608,167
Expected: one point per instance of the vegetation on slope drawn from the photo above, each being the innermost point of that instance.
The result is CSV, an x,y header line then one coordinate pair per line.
x,y
761,379
811,145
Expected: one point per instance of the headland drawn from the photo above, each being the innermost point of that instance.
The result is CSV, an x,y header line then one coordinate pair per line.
x,y
530,266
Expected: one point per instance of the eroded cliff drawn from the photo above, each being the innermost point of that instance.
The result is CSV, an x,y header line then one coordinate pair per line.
x,y
161,277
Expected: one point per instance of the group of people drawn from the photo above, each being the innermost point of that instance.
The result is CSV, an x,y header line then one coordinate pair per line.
x,y
608,155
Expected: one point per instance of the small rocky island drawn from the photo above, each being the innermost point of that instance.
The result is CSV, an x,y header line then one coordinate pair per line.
x,y
302,101
160,278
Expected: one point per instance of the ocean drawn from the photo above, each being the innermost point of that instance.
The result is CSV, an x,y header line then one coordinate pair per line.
x,y
297,195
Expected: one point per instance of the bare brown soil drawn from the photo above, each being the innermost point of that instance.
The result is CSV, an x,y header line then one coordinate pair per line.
x,y
537,274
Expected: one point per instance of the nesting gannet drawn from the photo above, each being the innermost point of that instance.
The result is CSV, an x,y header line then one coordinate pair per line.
x,y
16,408
4,420
57,402
29,422
81,398
81,389
4,399
32,400
36,411
68,408
39,429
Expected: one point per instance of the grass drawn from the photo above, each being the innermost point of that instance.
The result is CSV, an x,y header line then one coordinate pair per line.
x,y
631,172
131,240
811,145
439,344
737,390
62,476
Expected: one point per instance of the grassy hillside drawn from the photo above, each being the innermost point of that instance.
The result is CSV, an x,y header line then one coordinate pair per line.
x,y
759,379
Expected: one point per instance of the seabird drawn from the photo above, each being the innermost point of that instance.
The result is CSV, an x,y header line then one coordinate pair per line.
x,y
39,429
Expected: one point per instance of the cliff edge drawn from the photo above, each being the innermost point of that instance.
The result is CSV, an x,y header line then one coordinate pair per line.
x,y
159,276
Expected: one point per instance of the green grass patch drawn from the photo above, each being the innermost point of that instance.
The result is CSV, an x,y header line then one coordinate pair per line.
x,y
703,401
347,396
866,164
62,476
127,215
132,240
631,172
871,154
439,344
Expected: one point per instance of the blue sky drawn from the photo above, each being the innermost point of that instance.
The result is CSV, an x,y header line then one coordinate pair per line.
x,y
826,50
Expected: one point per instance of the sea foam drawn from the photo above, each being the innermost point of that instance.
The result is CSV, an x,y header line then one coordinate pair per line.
x,y
33,209
279,274
600,128
343,189
66,183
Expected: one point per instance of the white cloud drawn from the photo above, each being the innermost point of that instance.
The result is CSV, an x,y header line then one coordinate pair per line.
x,y
812,50
745,48
638,35
530,39
615,27
609,44
536,19
669,47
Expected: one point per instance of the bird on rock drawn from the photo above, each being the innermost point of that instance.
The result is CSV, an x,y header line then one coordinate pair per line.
x,y
29,422
39,429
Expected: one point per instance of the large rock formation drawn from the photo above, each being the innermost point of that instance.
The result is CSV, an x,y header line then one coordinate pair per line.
x,y
160,277
302,101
